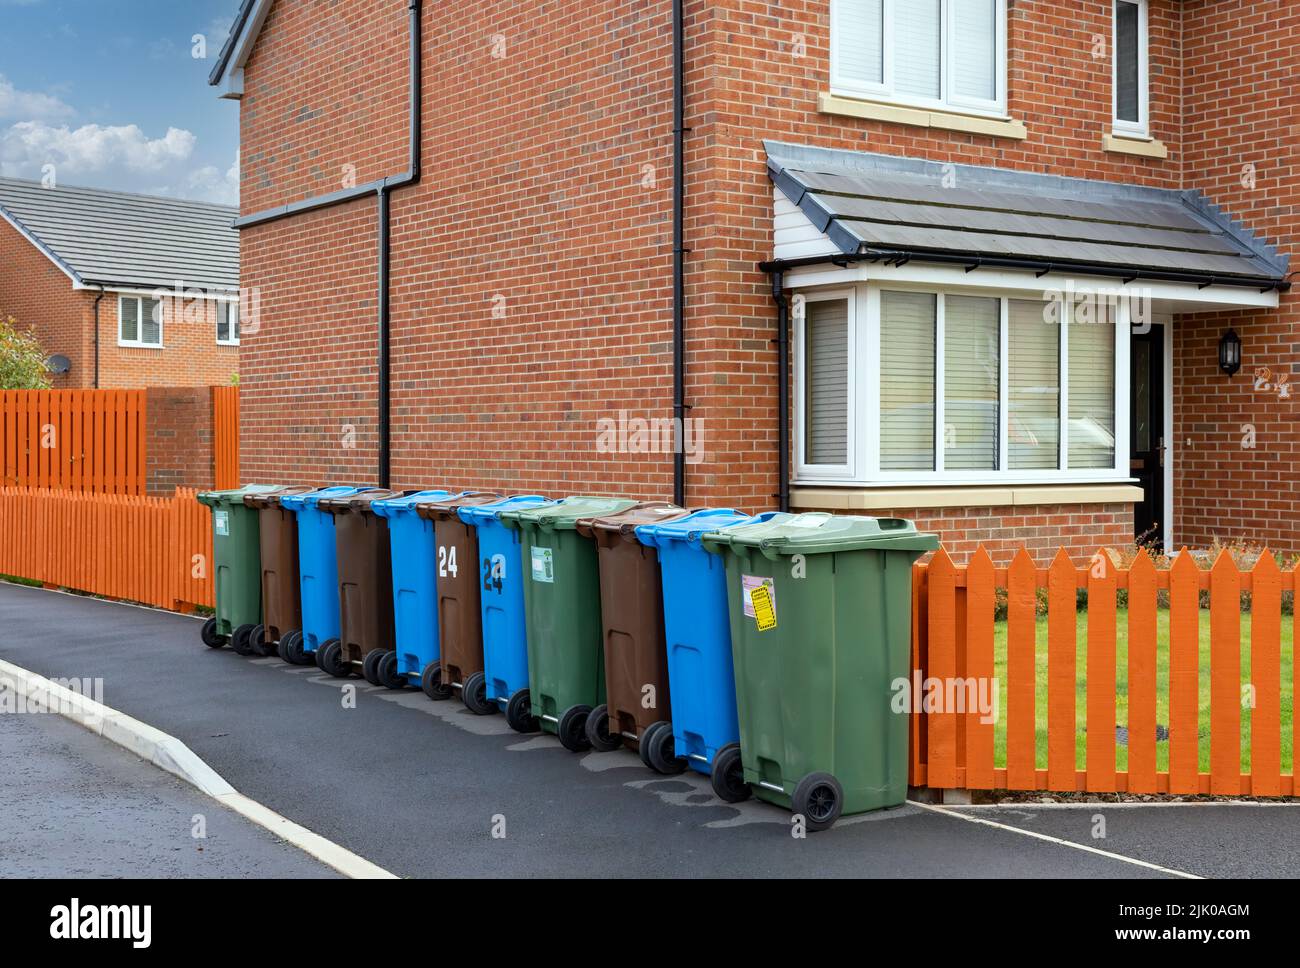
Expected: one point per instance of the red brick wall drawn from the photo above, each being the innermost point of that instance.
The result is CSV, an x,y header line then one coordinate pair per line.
x,y
1242,149
40,296
190,355
178,438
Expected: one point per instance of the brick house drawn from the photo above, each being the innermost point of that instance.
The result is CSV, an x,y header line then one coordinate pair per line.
x,y
1008,239
122,290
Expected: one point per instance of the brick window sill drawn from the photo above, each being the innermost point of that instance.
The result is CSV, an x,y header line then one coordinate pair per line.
x,y
921,117
1142,147
887,498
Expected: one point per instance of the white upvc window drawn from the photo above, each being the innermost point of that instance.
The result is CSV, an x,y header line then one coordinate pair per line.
x,y
227,323
910,386
139,321
1131,75
947,54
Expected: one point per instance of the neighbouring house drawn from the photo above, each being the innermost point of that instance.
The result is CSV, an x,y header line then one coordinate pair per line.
x,y
122,290
1014,269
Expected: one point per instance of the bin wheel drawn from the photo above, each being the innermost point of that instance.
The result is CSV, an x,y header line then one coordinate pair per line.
x,y
370,667
660,750
573,729
386,669
320,654
209,635
431,683
519,713
474,694
597,729
241,641
291,649
257,641
331,660
728,777
820,798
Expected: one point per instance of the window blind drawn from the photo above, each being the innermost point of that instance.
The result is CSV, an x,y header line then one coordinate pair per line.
x,y
1034,394
1128,101
827,380
151,323
971,328
1092,391
859,41
917,48
973,26
907,381
129,310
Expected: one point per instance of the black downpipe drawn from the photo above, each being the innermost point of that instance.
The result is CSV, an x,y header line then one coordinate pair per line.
x,y
381,189
679,253
97,299
782,390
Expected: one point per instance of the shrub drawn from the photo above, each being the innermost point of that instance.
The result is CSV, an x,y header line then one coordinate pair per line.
x,y
22,359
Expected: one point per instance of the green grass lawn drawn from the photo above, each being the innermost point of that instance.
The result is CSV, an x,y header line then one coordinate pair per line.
x,y
1121,690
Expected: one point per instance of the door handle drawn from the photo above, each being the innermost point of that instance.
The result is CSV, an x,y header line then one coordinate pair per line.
x,y
1160,447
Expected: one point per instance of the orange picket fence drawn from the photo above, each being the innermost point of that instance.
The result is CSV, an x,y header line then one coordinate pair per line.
x,y
225,437
80,440
1145,692
156,551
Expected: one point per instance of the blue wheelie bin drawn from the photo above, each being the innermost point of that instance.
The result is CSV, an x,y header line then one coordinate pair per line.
x,y
415,596
505,627
318,572
697,626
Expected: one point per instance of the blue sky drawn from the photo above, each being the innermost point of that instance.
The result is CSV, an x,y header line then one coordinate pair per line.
x,y
110,93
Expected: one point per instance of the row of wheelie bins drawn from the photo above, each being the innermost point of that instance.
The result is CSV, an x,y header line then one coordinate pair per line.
x,y
759,650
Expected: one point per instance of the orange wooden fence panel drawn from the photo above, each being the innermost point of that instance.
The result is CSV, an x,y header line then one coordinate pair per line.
x,y
225,436
156,551
80,440
954,636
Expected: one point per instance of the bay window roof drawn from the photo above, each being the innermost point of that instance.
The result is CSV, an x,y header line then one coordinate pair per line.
x,y
885,207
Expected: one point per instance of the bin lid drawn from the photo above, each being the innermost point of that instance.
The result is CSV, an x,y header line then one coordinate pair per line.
x,y
234,497
271,499
360,501
563,515
625,522
819,533
297,502
693,526
447,508
482,513
390,507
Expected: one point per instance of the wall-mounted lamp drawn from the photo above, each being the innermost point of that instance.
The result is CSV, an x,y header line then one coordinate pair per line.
x,y
1230,352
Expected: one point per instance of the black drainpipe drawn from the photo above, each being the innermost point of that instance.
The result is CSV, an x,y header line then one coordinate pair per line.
x,y
97,299
679,252
782,391
381,189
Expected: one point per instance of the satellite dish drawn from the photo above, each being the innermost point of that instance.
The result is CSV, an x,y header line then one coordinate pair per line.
x,y
58,364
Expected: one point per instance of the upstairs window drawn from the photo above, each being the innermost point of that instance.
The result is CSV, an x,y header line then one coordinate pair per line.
x,y
228,323
139,321
1131,73
921,53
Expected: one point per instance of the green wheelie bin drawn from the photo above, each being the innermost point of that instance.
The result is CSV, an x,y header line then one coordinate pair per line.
x,y
237,568
821,629
566,658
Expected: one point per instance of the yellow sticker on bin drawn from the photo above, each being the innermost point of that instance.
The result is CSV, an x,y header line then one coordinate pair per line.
x,y
764,610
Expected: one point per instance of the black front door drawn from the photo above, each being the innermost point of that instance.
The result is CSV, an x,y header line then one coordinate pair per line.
x,y
1147,399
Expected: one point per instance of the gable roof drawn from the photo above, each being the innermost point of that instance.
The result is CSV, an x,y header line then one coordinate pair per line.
x,y
108,238
243,32
869,204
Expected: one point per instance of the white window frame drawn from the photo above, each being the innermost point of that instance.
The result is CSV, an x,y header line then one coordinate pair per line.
x,y
1142,127
233,306
826,472
864,398
139,343
947,101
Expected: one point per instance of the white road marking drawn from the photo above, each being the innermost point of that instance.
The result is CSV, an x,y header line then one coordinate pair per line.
x,y
948,811
170,754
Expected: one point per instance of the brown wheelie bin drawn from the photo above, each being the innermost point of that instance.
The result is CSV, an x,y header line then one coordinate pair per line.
x,y
281,595
460,622
365,587
637,704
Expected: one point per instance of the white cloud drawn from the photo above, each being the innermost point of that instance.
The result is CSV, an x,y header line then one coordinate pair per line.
x,y
16,104
210,184
90,149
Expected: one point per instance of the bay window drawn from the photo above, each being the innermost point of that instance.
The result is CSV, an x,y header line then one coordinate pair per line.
x,y
924,53
907,386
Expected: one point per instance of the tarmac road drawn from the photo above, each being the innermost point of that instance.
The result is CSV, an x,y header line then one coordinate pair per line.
x,y
420,787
